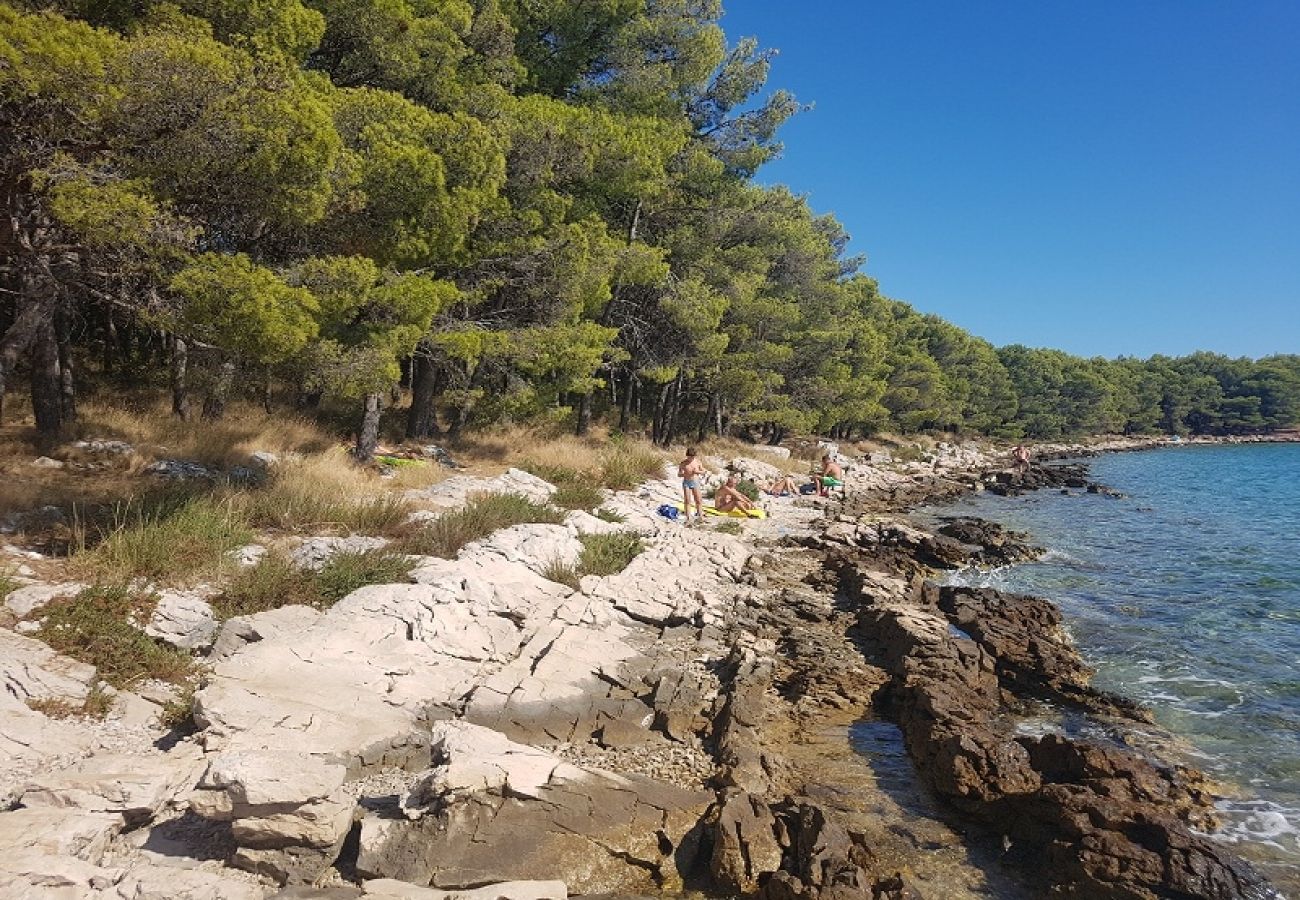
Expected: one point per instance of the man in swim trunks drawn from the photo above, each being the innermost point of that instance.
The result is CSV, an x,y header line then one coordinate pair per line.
x,y
690,471
729,498
831,475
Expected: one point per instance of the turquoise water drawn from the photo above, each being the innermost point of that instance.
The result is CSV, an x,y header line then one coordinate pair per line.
x,y
1186,595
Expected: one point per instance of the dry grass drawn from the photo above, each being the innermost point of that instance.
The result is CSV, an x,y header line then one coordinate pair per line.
x,y
95,628
274,582
477,519
320,494
563,573
345,572
157,433
97,705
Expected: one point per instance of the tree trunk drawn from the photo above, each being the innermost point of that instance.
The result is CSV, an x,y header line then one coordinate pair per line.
x,y
180,388
718,427
47,400
214,404
625,408
368,437
674,407
266,391
422,417
67,385
584,415
19,336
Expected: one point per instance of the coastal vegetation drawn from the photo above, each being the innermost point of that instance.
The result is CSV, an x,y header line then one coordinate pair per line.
x,y
407,218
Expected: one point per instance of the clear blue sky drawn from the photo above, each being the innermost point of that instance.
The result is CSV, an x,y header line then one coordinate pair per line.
x,y
1101,176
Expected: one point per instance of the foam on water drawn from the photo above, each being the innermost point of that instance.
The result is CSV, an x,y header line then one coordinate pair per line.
x,y
1186,595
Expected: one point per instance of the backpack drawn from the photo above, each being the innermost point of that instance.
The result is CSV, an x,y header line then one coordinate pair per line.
x,y
669,512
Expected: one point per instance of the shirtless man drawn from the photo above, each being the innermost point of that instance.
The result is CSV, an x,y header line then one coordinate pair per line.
x,y
729,498
689,472
1021,456
831,475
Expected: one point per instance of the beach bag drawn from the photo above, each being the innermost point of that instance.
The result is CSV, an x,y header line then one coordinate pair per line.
x,y
668,511
807,489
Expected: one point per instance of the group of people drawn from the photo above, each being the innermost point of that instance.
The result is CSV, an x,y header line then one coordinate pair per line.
x,y
729,498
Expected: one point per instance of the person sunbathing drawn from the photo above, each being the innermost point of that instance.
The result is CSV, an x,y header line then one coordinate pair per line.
x,y
785,486
729,498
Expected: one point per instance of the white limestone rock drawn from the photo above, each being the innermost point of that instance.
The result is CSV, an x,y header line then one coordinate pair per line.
x,y
26,600
533,545
59,832
135,785
314,553
184,619
469,759
239,631
580,522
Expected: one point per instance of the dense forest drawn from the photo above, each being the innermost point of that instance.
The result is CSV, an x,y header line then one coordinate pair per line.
x,y
467,211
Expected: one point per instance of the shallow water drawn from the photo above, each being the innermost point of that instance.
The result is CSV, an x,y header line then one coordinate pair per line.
x,y
1186,595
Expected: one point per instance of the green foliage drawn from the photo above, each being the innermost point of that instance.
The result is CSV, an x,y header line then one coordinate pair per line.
x,y
477,519
8,583
345,572
273,582
96,627
609,515
623,467
608,554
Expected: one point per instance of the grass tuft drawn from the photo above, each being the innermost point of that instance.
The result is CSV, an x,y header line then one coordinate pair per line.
x,y
345,572
729,527
95,628
323,494
170,541
8,584
577,495
274,582
97,705
611,516
608,554
624,466
562,573
481,516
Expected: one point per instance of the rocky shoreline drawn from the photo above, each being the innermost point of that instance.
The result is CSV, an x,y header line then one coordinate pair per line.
x,y
683,725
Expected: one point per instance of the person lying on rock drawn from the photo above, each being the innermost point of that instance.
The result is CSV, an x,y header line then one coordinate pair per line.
x,y
830,476
729,498
784,486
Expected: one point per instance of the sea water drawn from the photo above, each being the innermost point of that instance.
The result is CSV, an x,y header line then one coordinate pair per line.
x,y
1185,594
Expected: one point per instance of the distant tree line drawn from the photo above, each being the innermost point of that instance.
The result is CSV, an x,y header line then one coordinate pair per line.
x,y
505,209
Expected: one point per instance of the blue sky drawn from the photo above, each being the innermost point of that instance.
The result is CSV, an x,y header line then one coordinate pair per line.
x,y
1100,176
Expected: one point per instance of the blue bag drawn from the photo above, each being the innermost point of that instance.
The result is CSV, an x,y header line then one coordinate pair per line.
x,y
669,512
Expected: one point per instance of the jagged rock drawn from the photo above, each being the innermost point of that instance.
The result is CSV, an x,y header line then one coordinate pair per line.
x,y
59,832
183,619
135,786
679,700
264,459
111,448
44,462
26,600
240,631
675,580
744,843
998,545
314,553
32,670
170,883
603,832
289,811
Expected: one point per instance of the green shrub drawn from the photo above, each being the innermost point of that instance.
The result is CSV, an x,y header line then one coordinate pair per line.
x,y
190,540
481,516
179,713
729,527
97,705
608,554
274,582
95,627
749,489
609,515
345,572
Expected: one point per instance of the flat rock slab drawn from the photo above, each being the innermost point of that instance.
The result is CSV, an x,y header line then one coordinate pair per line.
x,y
133,785
26,600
